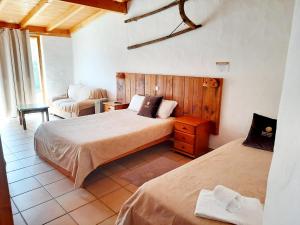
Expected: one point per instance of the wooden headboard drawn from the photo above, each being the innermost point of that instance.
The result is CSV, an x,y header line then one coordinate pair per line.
x,y
196,96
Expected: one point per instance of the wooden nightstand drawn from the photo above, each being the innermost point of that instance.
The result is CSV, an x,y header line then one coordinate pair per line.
x,y
191,136
109,106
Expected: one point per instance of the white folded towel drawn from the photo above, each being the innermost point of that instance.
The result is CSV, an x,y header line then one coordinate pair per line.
x,y
226,205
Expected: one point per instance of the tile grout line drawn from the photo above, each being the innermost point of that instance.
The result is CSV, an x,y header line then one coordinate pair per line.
x,y
22,167
19,212
60,217
68,212
21,158
99,198
52,198
12,146
18,145
31,175
42,185
106,219
23,150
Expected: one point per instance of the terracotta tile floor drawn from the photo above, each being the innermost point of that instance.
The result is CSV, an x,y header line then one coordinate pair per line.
x,y
42,195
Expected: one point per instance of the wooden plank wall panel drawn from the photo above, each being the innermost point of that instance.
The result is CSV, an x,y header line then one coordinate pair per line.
x,y
150,84
211,105
132,78
147,85
188,95
161,83
165,86
121,90
178,94
193,97
128,87
140,84
197,97
169,88
153,85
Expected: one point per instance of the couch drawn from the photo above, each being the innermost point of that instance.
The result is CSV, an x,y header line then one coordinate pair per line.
x,y
79,100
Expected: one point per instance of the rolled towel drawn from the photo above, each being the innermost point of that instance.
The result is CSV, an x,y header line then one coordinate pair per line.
x,y
226,205
227,198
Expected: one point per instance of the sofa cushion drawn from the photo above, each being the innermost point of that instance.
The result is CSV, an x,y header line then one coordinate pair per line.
x,y
97,93
72,106
84,93
74,91
80,92
67,105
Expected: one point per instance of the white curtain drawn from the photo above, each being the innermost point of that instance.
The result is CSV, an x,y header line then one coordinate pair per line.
x,y
16,73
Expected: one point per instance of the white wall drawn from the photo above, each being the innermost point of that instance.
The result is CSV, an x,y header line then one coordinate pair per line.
x,y
283,195
252,35
58,64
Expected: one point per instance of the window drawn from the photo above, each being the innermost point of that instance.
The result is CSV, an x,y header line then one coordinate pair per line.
x,y
37,68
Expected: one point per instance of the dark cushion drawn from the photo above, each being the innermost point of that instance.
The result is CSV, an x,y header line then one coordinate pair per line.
x,y
150,106
262,133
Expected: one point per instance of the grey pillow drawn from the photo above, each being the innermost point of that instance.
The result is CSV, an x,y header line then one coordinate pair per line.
x,y
262,133
150,106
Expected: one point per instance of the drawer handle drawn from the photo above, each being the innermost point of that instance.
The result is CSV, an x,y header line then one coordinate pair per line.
x,y
184,128
182,147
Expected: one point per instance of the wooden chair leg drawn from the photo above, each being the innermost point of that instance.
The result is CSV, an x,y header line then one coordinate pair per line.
x,y
23,121
43,116
47,115
20,117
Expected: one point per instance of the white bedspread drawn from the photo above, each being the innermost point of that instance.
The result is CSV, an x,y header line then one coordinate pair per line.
x,y
82,144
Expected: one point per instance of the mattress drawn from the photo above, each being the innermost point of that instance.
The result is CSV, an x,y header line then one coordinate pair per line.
x,y
171,198
80,145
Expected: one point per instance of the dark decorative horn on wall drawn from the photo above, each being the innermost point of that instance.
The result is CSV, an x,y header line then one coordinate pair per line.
x,y
184,17
174,33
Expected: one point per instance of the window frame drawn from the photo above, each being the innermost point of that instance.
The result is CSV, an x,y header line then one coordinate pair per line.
x,y
40,55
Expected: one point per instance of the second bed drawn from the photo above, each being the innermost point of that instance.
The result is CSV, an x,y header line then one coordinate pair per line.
x,y
171,198
78,146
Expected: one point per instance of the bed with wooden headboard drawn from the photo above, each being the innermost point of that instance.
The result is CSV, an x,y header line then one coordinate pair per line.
x,y
196,96
78,146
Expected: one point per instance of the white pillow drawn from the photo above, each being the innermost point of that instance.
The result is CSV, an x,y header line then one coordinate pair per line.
x,y
74,91
166,108
84,93
136,103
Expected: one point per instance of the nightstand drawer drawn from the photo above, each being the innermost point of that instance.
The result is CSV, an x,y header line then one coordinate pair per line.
x,y
184,147
184,128
184,137
123,106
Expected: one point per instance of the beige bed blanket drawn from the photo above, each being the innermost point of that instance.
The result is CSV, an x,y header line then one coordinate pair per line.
x,y
82,144
171,198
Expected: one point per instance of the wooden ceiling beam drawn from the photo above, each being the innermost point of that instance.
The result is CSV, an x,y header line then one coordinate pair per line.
x,y
110,5
72,11
3,3
45,31
37,29
87,21
35,11
4,24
